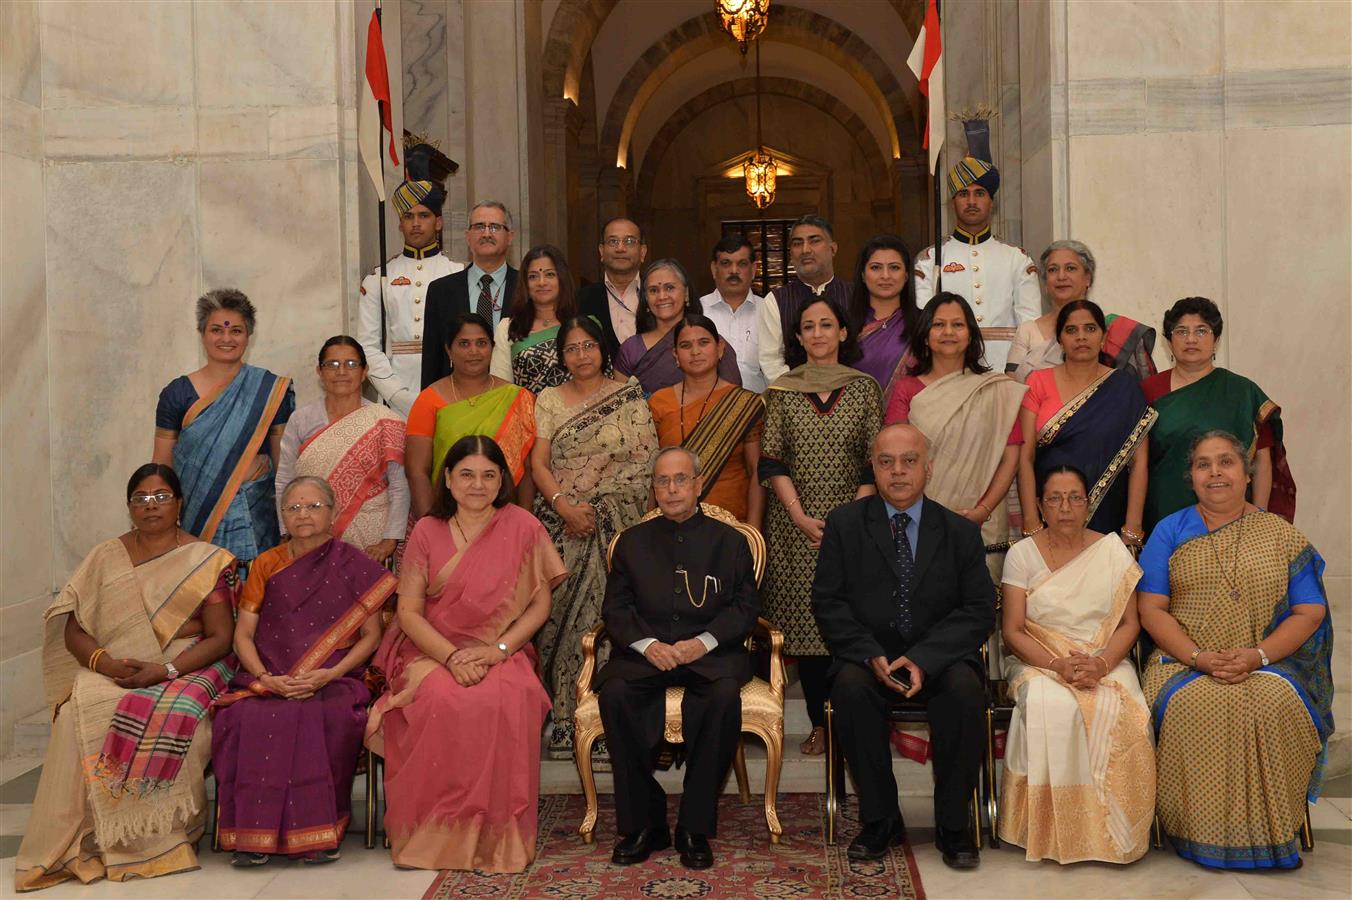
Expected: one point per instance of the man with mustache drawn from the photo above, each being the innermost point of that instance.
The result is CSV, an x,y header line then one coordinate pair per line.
x,y
485,287
395,365
997,279
733,308
812,253
614,302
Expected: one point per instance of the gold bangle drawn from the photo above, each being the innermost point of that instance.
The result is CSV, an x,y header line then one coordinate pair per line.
x,y
94,659
791,504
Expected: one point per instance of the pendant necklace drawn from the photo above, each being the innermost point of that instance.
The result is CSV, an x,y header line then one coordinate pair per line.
x,y
697,418
1231,576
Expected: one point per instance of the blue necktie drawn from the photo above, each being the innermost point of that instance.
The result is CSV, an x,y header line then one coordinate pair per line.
x,y
906,562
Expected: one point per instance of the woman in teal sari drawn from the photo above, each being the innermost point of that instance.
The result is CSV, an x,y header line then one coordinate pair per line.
x,y
220,427
525,345
1196,396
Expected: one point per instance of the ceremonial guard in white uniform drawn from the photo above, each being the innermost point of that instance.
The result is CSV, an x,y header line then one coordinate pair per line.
x,y
998,280
394,364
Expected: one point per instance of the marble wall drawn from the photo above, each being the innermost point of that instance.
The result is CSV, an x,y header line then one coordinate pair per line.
x,y
1205,147
147,157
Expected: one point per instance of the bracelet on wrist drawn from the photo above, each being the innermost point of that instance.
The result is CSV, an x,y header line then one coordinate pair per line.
x,y
1033,532
95,657
1192,660
792,503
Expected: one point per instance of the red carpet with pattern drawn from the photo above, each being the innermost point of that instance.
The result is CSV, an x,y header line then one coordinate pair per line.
x,y
746,864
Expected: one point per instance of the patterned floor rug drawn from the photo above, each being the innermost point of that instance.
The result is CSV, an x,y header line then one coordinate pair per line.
x,y
747,865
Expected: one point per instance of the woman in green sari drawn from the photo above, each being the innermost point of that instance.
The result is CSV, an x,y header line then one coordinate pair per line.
x,y
525,346
468,401
1197,396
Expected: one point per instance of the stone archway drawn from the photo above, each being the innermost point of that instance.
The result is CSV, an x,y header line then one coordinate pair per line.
x,y
878,172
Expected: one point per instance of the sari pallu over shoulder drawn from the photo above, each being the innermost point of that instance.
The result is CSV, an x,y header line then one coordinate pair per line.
x,y
312,610
221,435
1098,431
721,432
474,597
505,413
353,455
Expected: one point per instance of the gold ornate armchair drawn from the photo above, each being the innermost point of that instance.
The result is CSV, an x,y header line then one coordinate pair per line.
x,y
762,701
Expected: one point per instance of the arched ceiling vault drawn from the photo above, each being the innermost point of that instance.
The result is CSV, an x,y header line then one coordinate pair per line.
x,y
746,87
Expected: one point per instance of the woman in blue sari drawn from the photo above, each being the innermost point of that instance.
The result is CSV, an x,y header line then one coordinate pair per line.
x,y
1092,416
220,427
1240,687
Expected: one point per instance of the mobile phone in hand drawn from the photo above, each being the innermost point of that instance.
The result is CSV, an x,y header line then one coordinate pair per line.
x,y
901,678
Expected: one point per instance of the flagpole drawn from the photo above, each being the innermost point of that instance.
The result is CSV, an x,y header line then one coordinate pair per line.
x,y
938,183
380,204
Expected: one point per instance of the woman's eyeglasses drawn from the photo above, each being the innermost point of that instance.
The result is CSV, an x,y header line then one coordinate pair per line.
x,y
333,365
297,508
159,497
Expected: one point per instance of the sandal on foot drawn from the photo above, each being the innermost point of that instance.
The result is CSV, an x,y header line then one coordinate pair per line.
x,y
245,860
815,745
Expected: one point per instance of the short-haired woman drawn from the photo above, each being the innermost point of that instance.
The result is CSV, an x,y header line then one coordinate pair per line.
x,y
1196,396
1240,687
220,427
664,298
459,721
287,734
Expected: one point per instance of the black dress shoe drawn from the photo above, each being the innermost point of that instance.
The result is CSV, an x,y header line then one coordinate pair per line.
x,y
694,849
876,839
957,847
635,848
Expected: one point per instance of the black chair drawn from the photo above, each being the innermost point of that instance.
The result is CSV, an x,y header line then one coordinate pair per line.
x,y
903,711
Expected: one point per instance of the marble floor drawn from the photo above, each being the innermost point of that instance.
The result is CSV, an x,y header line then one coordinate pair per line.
x,y
368,874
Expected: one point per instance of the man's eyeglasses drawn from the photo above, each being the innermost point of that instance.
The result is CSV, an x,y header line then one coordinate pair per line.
x,y
584,347
665,481
333,365
490,227
159,497
627,241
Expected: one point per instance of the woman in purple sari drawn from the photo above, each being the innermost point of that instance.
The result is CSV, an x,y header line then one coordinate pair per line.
x,y
883,311
650,355
286,736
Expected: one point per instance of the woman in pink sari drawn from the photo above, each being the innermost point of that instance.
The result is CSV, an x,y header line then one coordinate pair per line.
x,y
459,724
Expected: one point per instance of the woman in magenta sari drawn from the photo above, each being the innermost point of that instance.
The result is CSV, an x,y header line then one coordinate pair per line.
x,y
883,311
287,734
459,723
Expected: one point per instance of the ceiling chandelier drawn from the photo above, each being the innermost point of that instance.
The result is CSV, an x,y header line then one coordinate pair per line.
x,y
759,169
743,19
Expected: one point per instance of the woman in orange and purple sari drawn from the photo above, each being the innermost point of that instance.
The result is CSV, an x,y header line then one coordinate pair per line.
x,y
287,734
459,723
220,427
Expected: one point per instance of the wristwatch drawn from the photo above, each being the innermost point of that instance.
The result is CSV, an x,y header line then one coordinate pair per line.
x,y
1263,656
503,647
170,671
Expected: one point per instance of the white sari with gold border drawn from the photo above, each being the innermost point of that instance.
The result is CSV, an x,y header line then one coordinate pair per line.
x,y
1079,779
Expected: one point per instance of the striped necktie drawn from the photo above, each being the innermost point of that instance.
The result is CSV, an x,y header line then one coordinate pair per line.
x,y
485,305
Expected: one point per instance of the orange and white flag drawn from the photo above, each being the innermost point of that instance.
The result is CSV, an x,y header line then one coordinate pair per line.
x,y
927,63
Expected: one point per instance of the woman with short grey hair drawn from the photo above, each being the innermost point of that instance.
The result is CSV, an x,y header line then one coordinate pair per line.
x,y
664,298
1067,269
220,427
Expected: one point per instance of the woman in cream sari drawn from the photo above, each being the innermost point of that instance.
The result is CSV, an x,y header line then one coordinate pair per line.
x,y
356,446
1079,778
132,658
595,440
968,413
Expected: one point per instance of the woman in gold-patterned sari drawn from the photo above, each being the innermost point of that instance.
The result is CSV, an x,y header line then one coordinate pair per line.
x,y
1240,688
1079,763
132,658
594,441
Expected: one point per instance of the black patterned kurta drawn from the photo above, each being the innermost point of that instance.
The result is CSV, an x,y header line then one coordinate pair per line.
x,y
825,449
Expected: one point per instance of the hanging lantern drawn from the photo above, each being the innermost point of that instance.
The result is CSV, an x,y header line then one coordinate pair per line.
x,y
743,19
759,171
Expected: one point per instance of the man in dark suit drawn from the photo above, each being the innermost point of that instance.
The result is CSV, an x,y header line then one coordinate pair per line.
x,y
680,602
917,616
614,302
485,287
